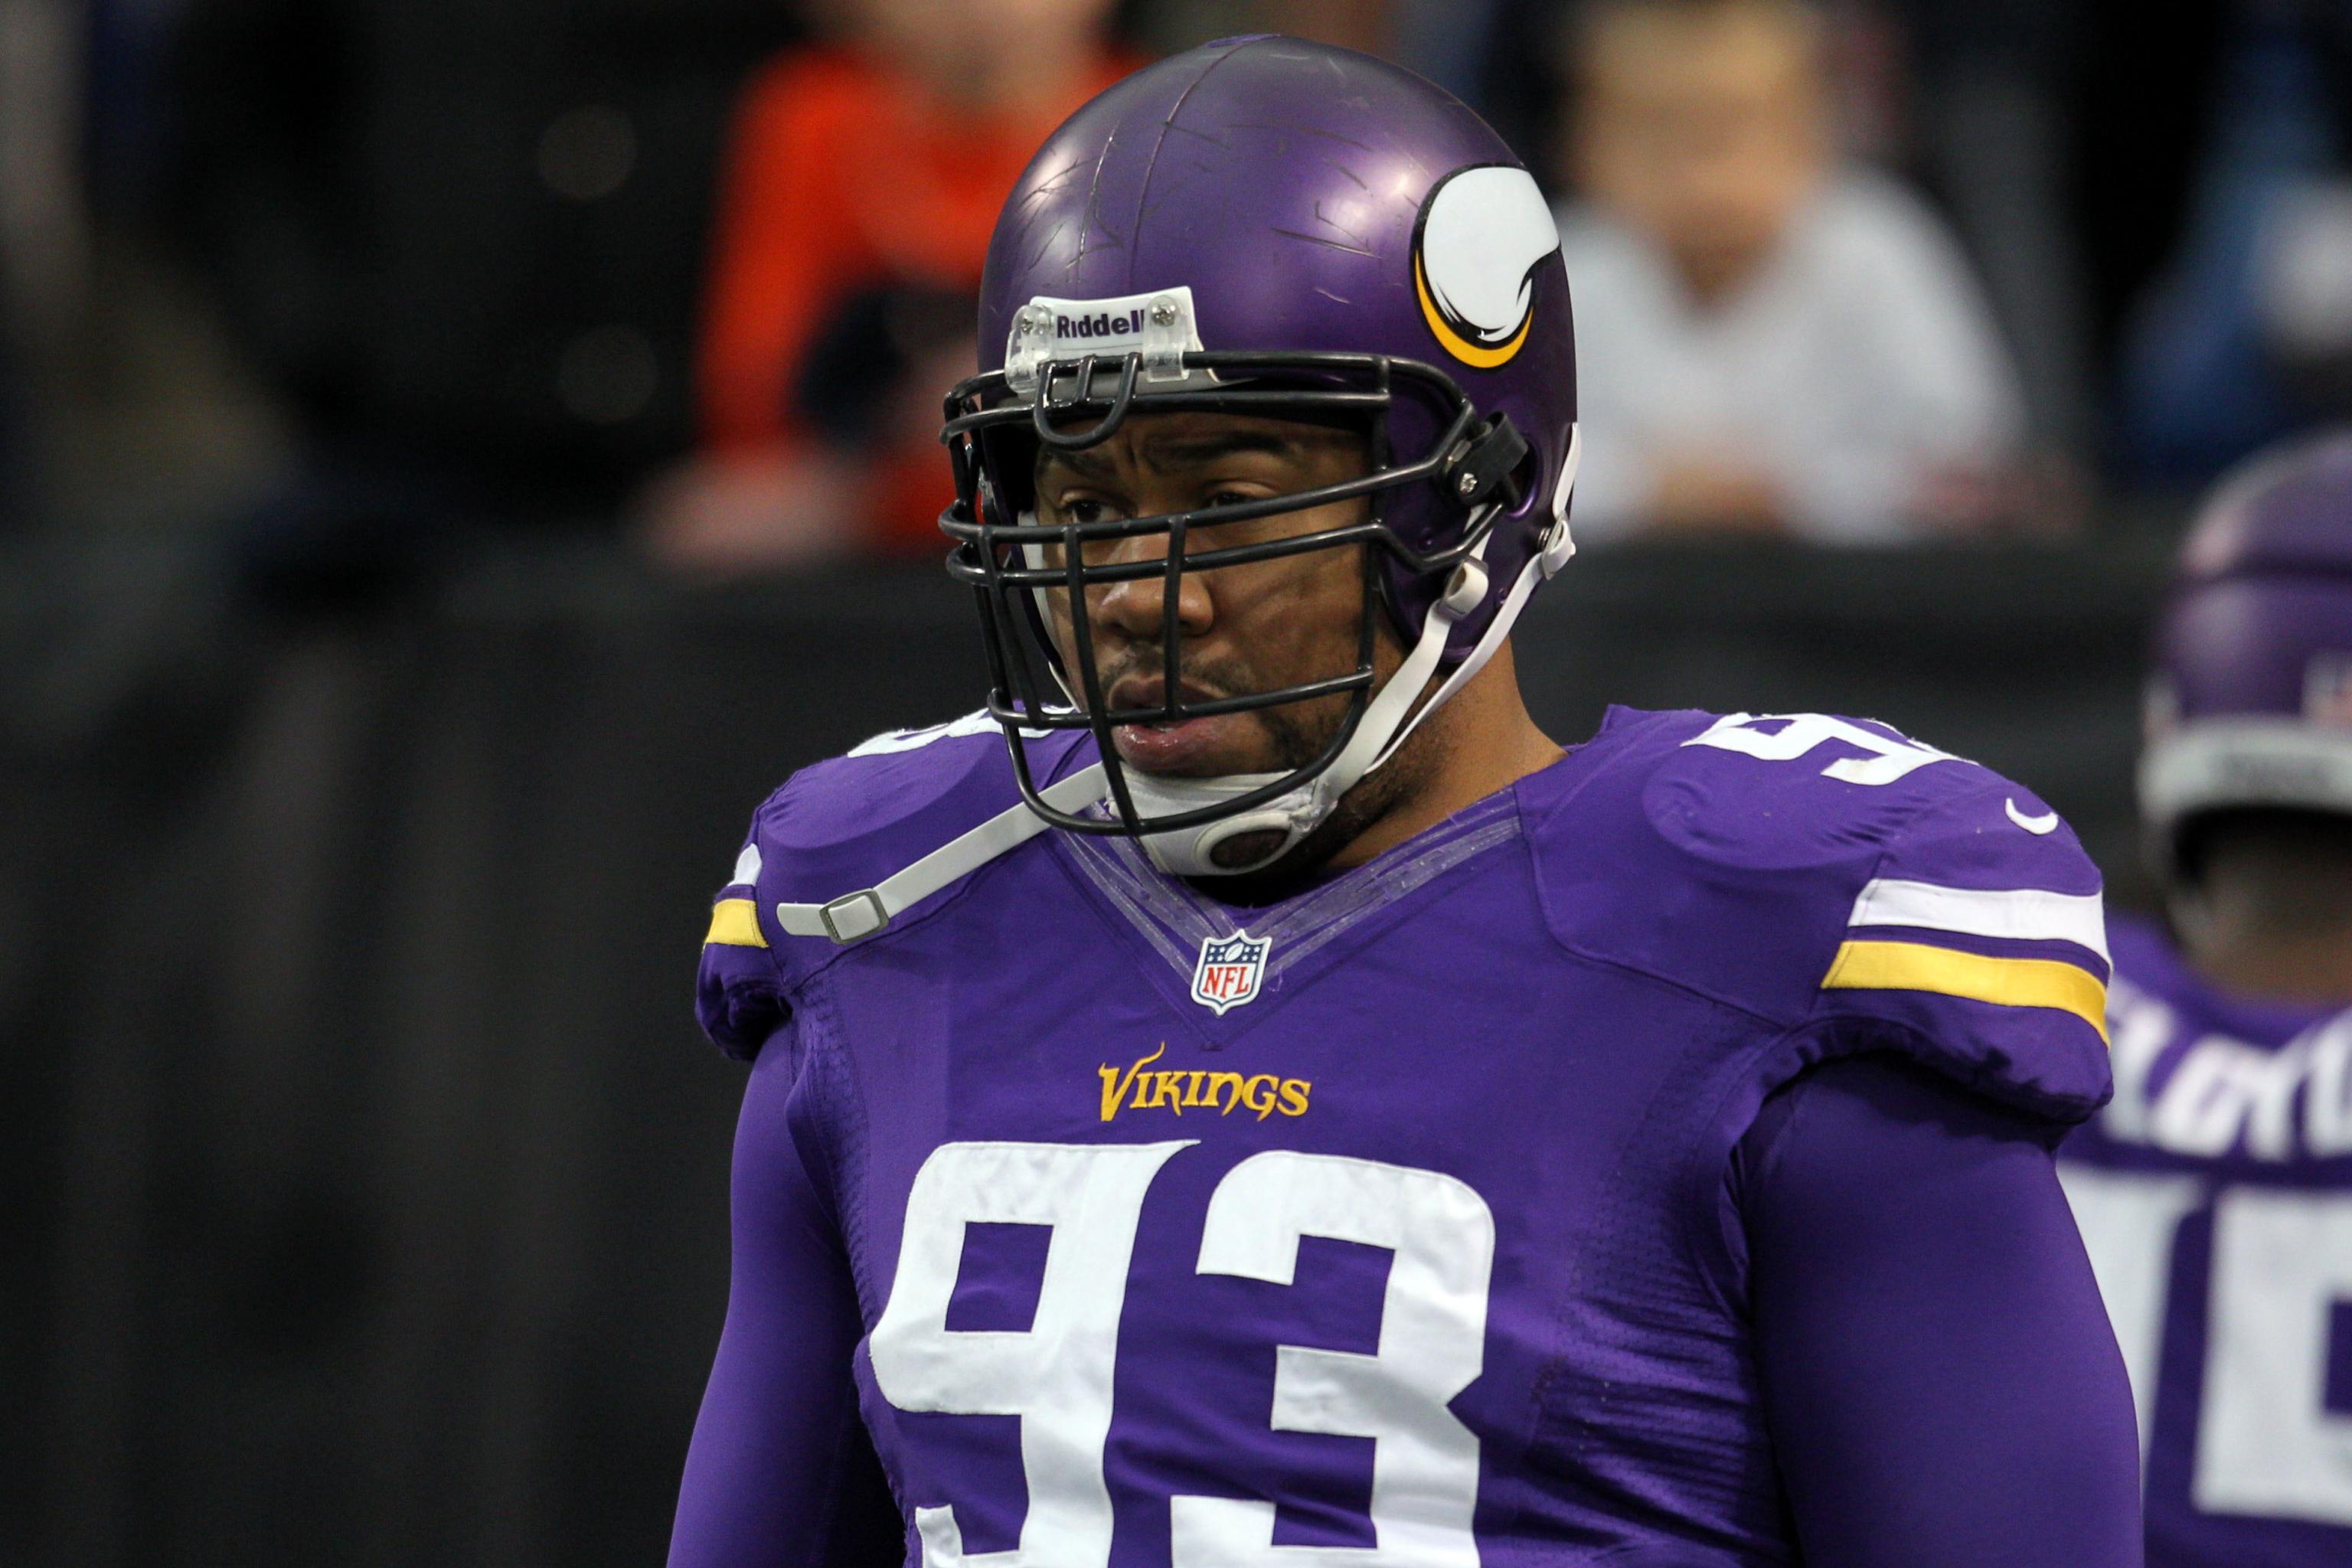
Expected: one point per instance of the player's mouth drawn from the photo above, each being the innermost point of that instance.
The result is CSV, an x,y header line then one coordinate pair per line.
x,y
1197,747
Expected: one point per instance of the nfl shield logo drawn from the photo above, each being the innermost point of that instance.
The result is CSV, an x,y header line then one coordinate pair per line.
x,y
1230,969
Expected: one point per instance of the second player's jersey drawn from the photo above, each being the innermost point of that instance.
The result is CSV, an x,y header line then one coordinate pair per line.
x,y
2215,1195
1185,1235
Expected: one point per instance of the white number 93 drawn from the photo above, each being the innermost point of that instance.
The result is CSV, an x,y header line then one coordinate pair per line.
x,y
1057,1375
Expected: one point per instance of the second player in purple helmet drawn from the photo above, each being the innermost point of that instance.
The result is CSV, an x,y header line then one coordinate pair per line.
x,y
1247,1096
2216,1189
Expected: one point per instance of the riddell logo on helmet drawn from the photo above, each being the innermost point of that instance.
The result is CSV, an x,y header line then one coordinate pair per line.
x,y
1046,329
1101,324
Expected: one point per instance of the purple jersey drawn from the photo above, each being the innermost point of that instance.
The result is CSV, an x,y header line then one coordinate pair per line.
x,y
1386,1224
2215,1192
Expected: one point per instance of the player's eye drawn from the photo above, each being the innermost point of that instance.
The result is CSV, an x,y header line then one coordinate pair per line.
x,y
1084,510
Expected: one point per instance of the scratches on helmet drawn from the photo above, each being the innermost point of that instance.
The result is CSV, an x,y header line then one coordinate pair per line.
x,y
1324,239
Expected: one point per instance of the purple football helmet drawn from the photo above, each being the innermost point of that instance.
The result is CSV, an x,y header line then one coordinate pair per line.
x,y
2250,705
1264,225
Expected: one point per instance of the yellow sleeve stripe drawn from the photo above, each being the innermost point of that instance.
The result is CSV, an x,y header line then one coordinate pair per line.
x,y
735,923
2006,982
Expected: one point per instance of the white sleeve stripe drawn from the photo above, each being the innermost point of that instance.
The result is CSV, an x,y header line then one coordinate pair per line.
x,y
2027,914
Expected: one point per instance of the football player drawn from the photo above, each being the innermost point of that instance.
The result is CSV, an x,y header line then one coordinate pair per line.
x,y
1249,1096
2216,1190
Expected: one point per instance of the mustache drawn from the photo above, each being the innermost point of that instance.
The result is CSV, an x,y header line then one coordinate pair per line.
x,y
1205,681
1295,742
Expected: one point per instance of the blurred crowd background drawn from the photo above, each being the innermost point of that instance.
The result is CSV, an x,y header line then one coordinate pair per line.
x,y
343,286
456,456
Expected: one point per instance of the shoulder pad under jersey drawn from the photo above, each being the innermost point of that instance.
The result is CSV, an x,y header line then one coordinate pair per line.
x,y
837,827
1836,877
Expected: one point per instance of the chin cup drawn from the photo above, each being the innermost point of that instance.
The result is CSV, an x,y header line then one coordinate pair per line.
x,y
1191,851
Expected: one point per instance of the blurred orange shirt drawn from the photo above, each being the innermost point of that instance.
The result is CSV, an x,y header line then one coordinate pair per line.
x,y
843,174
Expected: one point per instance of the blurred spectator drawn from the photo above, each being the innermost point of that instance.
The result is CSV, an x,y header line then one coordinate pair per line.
x,y
862,185
1771,338
2247,333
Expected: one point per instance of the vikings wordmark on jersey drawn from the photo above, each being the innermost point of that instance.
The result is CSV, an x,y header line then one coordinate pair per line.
x,y
1210,1090
1418,1255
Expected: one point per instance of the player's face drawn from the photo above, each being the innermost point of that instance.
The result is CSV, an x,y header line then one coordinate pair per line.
x,y
1243,629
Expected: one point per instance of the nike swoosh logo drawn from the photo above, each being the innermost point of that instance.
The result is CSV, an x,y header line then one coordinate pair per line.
x,y
2046,823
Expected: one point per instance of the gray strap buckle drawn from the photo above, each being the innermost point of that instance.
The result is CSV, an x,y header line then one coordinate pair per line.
x,y
853,916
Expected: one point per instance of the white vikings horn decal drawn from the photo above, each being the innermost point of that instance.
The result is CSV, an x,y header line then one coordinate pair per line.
x,y
1482,233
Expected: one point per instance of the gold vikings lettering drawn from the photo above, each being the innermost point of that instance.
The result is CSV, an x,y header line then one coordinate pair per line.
x,y
1179,1090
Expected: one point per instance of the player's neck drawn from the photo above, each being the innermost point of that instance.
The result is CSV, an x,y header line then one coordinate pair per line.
x,y
1482,740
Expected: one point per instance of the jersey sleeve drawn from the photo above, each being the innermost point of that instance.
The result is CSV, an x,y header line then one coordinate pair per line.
x,y
1976,946
780,1473
739,990
1936,1368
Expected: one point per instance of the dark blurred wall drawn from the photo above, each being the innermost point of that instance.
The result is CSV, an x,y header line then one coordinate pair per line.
x,y
464,239
367,1172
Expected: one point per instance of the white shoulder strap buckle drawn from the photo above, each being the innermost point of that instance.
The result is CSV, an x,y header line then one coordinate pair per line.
x,y
853,917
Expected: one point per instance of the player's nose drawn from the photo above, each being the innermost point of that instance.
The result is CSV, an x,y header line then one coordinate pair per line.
x,y
1137,606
